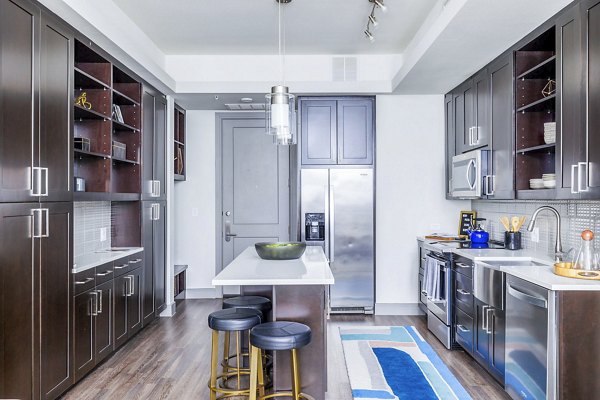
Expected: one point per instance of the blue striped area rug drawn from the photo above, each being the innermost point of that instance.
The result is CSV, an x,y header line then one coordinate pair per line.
x,y
395,362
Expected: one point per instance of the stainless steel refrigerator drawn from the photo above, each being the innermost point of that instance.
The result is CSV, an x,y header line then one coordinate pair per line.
x,y
337,212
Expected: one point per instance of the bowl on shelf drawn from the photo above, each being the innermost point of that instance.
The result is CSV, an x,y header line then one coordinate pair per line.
x,y
536,183
280,250
550,184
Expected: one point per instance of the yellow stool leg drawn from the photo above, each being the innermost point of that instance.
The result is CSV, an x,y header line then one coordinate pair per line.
x,y
296,386
254,354
213,364
261,374
226,347
238,356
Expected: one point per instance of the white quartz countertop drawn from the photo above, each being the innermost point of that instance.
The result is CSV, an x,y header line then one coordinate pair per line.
x,y
91,260
249,269
541,275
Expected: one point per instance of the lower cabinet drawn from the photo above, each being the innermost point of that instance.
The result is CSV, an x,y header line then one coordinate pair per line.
x,y
128,305
154,243
489,338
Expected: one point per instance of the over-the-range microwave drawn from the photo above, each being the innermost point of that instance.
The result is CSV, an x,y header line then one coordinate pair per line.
x,y
469,170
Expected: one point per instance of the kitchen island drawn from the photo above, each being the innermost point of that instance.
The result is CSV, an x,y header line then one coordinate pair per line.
x,y
298,291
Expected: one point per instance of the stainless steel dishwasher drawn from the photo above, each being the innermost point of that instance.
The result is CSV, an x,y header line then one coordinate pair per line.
x,y
527,340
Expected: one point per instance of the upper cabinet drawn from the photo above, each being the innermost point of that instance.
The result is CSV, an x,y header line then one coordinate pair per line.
x,y
35,97
154,142
179,144
336,131
538,100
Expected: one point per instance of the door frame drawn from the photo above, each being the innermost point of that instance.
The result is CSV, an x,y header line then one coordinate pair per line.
x,y
219,118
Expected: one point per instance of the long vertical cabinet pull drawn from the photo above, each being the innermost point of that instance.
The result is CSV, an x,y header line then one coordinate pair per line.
x,y
331,223
44,179
94,303
99,303
41,223
36,181
582,177
573,190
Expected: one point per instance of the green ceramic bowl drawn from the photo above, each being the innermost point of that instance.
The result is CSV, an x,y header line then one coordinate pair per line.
x,y
280,250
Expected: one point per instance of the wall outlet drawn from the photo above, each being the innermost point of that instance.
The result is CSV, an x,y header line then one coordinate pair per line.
x,y
535,235
103,234
194,211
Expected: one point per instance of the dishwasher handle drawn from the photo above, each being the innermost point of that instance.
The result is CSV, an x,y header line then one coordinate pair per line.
x,y
533,300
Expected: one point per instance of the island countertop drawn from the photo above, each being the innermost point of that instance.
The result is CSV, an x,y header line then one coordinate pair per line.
x,y
249,269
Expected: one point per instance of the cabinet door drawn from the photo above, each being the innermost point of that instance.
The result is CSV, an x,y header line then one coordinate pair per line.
x,y
134,301
18,100
501,183
569,119
103,345
464,119
160,146
84,308
55,301
121,289
592,81
318,132
481,337
16,300
497,329
355,132
148,257
450,141
148,126
159,258
56,92
481,110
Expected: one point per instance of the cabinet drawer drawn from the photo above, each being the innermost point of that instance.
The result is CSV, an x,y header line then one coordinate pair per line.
x,y
464,330
463,293
463,266
104,273
84,281
122,266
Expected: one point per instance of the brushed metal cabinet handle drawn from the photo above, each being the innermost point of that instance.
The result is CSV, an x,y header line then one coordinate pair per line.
x,y
331,223
573,190
581,180
462,265
44,174
37,223
87,280
488,329
94,303
108,272
99,309
463,292
462,328
137,260
36,181
484,315
121,266
46,220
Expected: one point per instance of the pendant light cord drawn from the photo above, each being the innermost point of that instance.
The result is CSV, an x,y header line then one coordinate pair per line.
x,y
281,46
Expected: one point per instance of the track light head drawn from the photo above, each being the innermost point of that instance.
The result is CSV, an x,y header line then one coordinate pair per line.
x,y
373,20
379,3
369,35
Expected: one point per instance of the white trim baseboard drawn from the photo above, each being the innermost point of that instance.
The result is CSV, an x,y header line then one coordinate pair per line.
x,y
169,311
203,293
397,309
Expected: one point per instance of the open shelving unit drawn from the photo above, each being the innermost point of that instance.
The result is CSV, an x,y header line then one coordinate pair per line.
x,y
535,66
105,86
179,144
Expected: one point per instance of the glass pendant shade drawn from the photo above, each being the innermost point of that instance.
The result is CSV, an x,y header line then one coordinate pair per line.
x,y
281,116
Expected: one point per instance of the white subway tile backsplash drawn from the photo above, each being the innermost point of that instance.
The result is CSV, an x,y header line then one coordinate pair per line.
x,y
576,216
89,218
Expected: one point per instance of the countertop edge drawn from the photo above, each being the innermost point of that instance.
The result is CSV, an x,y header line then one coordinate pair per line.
x,y
114,257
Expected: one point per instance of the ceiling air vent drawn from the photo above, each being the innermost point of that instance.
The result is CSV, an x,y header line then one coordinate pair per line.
x,y
245,106
344,69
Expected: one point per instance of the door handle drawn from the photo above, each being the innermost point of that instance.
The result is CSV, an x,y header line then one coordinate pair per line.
x,y
94,303
488,329
87,280
46,219
331,223
44,179
137,260
461,265
108,272
489,184
121,266
581,180
463,292
228,234
573,191
484,324
131,286
471,165
99,303
462,328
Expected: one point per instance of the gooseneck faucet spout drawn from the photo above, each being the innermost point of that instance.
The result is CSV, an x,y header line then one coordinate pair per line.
x,y
558,251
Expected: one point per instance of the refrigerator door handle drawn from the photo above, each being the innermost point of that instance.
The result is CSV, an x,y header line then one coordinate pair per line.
x,y
327,213
331,223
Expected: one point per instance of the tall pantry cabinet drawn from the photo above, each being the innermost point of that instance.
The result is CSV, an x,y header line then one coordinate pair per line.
x,y
35,202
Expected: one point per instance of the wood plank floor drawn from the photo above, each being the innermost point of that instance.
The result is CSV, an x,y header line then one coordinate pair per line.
x,y
170,360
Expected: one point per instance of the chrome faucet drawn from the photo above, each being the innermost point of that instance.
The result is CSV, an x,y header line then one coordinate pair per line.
x,y
558,251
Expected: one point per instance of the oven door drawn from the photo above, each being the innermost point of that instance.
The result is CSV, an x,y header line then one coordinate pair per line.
x,y
439,307
467,174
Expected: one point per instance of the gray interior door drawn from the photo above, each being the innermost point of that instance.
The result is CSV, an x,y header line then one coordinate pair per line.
x,y
255,191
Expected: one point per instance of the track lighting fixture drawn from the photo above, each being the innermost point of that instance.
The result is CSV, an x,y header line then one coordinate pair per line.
x,y
372,21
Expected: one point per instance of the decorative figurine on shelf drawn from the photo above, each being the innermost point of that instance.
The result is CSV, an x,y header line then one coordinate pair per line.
x,y
550,88
82,101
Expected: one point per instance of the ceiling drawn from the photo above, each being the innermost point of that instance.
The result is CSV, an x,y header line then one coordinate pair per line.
x,y
250,26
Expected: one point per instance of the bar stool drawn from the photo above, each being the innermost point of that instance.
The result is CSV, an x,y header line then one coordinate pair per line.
x,y
280,335
258,303
229,320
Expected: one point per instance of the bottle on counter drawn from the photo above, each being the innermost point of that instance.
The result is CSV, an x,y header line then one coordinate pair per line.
x,y
586,258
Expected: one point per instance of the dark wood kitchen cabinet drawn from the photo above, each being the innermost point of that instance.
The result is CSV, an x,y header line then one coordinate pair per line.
x,y
154,242
154,142
55,297
35,300
103,341
471,102
128,305
489,338
35,98
499,184
336,131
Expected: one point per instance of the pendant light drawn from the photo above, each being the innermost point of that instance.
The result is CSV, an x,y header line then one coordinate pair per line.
x,y
280,113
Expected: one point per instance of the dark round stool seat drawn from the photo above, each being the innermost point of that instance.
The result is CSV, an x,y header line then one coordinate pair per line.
x,y
280,335
234,319
258,303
